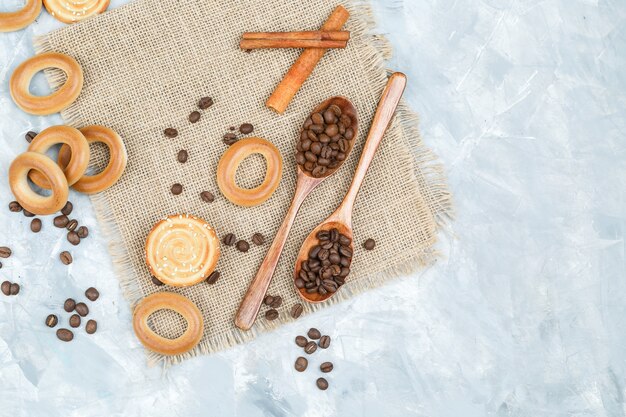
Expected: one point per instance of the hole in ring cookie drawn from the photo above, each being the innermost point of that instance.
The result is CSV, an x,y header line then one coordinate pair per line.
x,y
167,323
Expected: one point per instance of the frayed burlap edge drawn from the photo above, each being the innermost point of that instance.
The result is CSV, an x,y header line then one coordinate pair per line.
x,y
427,170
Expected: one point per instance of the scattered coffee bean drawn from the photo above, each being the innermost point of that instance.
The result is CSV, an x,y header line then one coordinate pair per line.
x,y
194,116
182,156
156,282
52,320
82,232
6,288
369,244
207,197
301,341
301,364
277,301
212,279
65,335
268,300
5,252
313,333
66,257
258,239
310,347
177,189
0,265
72,225
92,294
28,213
75,320
296,310
324,342
229,239
29,136
229,139
69,305
73,238
15,289
322,384
170,132
35,225
67,208
243,246
91,326
205,103
82,309
326,367
15,207
246,128
271,314
61,221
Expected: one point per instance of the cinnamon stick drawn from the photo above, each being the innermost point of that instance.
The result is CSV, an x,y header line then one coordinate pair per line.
x,y
313,35
304,65
290,43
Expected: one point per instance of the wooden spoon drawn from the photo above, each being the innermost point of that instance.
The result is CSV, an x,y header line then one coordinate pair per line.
x,y
251,303
341,219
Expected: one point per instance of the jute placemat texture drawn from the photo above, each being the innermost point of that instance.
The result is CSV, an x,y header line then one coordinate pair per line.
x,y
146,65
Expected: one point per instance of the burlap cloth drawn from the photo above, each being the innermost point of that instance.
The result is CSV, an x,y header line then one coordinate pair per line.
x,y
146,65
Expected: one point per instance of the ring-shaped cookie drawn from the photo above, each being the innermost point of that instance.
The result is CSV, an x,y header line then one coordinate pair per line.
x,y
29,199
91,184
74,140
182,250
168,301
12,21
55,102
70,11
230,161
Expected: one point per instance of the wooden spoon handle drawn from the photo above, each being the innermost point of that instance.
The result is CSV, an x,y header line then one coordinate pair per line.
x,y
251,303
384,113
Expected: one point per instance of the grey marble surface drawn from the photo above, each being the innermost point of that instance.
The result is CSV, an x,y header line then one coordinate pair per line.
x,y
525,102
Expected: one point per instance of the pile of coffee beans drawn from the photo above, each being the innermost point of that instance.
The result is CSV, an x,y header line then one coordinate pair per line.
x,y
230,138
75,232
325,140
10,288
328,263
81,310
309,347
273,302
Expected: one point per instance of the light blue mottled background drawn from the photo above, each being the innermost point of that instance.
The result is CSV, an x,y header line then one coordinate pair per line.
x,y
525,102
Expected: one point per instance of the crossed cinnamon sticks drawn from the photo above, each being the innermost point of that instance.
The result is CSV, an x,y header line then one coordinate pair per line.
x,y
307,39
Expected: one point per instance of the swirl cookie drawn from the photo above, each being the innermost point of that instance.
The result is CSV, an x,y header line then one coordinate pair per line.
x,y
70,11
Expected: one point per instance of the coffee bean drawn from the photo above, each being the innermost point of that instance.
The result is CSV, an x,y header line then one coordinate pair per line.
x,y
82,232
65,335
67,208
61,221
324,342
69,305
177,189
66,257
170,132
6,288
75,320
322,384
52,320
156,282
212,279
72,225
35,225
73,238
5,252
258,239
207,197
277,301
92,294
243,246
182,156
29,136
313,333
301,364
326,367
28,213
0,265
268,300
194,116
301,341
82,309
300,282
15,207
345,251
271,314
296,310
310,347
229,139
369,244
91,326
14,289
205,103
317,118
229,239
246,128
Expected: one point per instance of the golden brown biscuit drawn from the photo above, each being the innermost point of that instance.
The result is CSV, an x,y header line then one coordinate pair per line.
x,y
70,11
12,21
